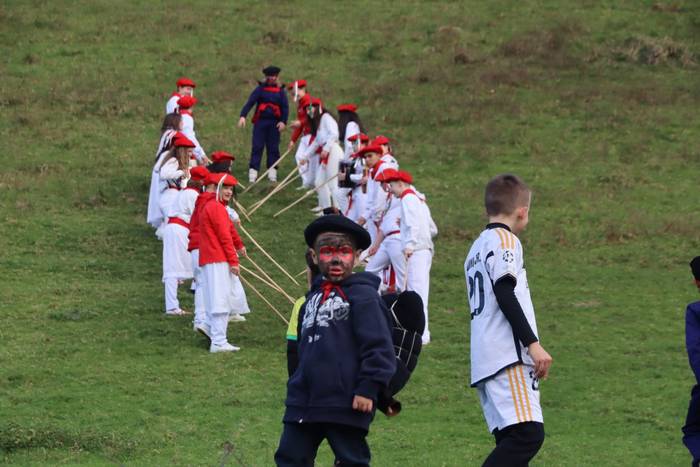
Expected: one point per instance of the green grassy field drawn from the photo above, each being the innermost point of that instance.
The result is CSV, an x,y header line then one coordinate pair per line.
x,y
594,103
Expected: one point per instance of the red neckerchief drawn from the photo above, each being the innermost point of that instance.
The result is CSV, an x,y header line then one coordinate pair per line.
x,y
408,191
375,169
185,112
328,287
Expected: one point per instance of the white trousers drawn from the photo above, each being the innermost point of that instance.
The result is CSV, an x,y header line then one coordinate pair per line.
x,y
200,313
418,271
307,171
356,204
177,261
223,294
389,253
328,194
171,301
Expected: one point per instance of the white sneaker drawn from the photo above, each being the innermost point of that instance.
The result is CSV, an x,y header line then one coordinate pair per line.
x,y
317,209
236,317
226,347
252,175
204,329
272,175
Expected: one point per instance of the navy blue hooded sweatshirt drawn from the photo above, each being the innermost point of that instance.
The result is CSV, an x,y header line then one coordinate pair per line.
x,y
345,349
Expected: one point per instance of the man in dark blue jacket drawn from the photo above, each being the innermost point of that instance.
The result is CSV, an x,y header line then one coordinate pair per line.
x,y
346,355
270,119
691,430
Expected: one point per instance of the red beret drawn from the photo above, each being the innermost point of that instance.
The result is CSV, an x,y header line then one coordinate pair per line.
x,y
186,102
366,150
215,179
387,175
199,173
363,138
183,142
316,101
381,139
405,176
301,83
220,156
185,82
347,108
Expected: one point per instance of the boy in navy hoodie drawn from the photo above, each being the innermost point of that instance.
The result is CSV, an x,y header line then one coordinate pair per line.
x,y
346,355
691,430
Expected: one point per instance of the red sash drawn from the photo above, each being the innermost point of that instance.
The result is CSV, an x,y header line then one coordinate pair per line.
x,y
178,221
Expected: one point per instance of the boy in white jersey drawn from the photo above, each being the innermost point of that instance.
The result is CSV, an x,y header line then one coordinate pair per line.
x,y
507,360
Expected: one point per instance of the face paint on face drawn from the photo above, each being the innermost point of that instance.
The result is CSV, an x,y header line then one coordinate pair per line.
x,y
335,255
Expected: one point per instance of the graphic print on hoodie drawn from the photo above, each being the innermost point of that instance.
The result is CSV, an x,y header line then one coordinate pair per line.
x,y
345,349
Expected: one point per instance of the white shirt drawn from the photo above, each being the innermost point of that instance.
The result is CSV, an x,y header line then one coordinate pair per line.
x,y
171,105
170,173
351,129
391,216
417,226
183,204
326,136
375,194
495,254
188,130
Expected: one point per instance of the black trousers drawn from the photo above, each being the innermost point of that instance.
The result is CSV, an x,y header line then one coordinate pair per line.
x,y
691,430
516,445
299,444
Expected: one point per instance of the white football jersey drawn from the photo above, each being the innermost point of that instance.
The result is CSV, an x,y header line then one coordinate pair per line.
x,y
495,254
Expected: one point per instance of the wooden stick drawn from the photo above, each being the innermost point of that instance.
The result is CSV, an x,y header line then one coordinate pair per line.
x,y
267,255
269,168
280,186
302,272
250,286
270,279
276,190
238,182
305,195
267,283
241,209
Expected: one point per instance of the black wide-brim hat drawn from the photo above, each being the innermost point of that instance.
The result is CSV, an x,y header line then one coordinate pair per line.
x,y
272,70
337,223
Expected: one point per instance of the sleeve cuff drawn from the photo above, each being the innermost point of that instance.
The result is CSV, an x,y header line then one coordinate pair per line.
x,y
368,389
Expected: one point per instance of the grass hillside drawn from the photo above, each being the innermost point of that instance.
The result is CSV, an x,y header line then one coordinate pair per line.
x,y
594,103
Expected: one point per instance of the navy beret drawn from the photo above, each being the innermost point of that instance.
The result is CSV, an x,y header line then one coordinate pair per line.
x,y
272,71
337,223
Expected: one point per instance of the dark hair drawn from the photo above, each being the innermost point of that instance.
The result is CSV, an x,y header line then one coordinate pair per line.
x,y
316,120
219,167
504,194
310,264
171,122
346,117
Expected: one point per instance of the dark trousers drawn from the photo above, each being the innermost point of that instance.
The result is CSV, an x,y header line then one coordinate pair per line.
x,y
691,430
300,441
516,445
265,136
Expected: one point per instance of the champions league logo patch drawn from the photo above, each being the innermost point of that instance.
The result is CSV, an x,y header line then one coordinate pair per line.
x,y
508,256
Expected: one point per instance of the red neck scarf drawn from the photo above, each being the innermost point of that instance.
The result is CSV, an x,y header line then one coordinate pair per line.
x,y
375,169
328,287
408,191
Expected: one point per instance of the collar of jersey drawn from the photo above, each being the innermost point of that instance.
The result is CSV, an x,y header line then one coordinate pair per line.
x,y
497,225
